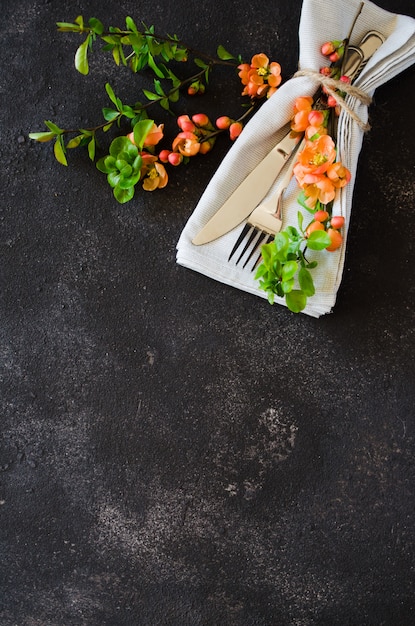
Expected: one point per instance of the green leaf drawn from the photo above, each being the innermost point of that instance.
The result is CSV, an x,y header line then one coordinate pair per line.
x,y
74,143
116,55
281,243
289,269
121,144
128,111
96,25
55,129
91,148
200,63
59,152
130,24
296,300
67,27
111,93
174,95
318,240
223,54
110,114
158,88
287,285
164,103
81,57
141,130
150,95
292,233
154,67
42,137
123,195
306,282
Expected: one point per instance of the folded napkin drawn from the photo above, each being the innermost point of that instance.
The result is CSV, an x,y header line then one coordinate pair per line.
x,y
320,21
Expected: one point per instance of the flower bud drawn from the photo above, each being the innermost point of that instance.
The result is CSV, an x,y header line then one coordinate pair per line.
x,y
235,130
326,71
223,122
205,147
327,48
185,123
196,88
175,158
337,221
316,118
336,240
321,216
331,101
164,156
200,119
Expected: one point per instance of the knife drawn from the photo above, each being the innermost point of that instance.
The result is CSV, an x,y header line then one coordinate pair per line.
x,y
256,185
250,192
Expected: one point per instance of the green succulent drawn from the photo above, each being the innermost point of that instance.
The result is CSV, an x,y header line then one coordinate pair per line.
x,y
123,168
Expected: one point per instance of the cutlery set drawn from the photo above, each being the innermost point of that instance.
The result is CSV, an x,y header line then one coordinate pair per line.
x,y
264,219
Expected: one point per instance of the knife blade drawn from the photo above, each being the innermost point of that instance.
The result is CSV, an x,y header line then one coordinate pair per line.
x,y
249,193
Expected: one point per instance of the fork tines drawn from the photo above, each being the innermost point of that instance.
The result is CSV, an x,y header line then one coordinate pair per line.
x,y
256,238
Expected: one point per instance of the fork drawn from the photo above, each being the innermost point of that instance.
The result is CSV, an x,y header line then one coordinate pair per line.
x,y
264,222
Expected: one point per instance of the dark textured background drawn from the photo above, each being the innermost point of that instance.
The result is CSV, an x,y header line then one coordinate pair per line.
x,y
175,451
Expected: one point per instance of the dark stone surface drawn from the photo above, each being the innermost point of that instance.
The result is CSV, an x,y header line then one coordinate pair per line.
x,y
175,451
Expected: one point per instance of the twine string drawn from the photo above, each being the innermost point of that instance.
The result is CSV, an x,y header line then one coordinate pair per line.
x,y
332,86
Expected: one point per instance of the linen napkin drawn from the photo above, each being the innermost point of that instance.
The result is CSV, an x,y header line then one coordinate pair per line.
x,y
320,21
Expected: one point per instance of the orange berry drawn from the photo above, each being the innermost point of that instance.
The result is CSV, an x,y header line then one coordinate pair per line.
x,y
336,239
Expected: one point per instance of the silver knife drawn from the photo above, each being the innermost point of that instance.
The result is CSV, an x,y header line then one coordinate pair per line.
x,y
257,184
249,193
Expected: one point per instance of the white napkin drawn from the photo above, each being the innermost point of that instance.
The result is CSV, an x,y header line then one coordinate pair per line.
x,y
320,21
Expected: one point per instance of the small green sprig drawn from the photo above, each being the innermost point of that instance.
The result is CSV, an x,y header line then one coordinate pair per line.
x,y
284,270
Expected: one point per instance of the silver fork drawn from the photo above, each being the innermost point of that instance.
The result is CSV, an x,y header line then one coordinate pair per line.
x,y
264,222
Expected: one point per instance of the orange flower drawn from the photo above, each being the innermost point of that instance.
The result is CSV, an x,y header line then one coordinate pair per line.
x,y
317,155
153,137
339,175
186,143
153,173
260,77
302,108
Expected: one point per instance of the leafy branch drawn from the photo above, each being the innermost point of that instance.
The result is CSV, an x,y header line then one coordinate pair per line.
x,y
284,262
146,50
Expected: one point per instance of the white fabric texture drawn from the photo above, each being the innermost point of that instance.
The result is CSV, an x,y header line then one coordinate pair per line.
x,y
320,21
